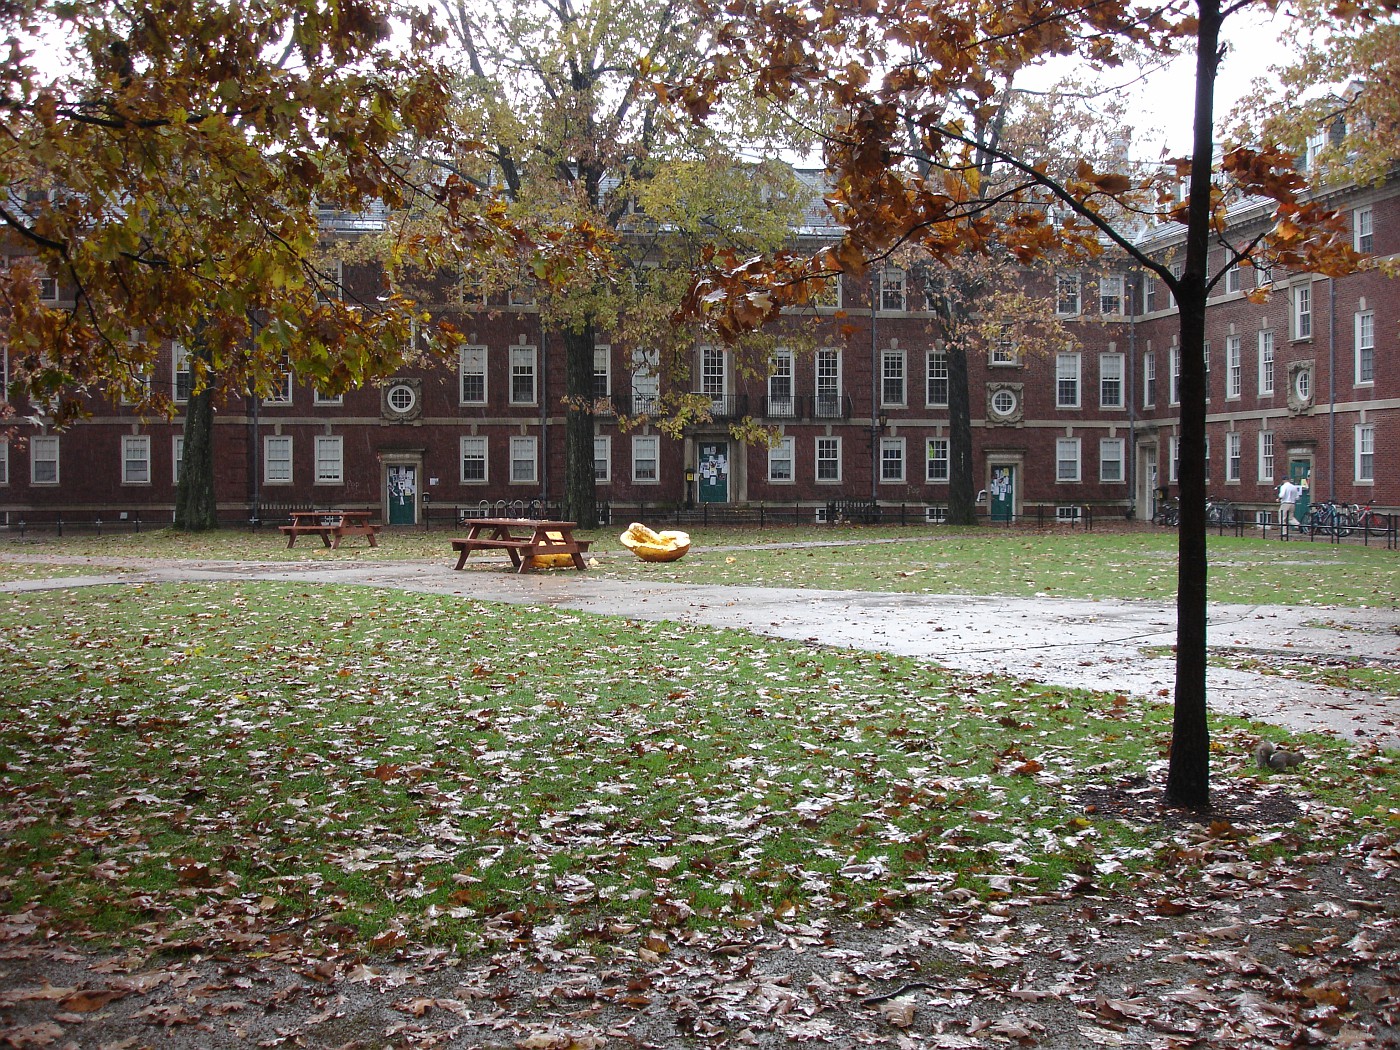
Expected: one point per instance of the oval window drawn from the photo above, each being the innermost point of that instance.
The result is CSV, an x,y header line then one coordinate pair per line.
x,y
401,398
1302,385
1003,402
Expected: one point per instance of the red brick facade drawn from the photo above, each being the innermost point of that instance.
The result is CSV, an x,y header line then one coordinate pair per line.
x,y
1094,427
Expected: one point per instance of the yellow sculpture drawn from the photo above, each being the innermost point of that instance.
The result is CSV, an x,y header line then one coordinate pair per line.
x,y
655,546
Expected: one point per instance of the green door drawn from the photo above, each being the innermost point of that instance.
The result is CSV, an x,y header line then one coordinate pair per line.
x,y
1300,470
403,492
1003,494
713,481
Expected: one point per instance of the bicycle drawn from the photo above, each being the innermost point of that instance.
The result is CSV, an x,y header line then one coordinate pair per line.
x,y
1219,512
1367,520
1167,513
1325,517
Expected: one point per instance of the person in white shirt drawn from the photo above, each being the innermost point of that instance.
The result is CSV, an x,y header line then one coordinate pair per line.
x,y
1288,494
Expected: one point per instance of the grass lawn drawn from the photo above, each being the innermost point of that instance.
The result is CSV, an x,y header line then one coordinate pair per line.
x,y
1071,564
216,765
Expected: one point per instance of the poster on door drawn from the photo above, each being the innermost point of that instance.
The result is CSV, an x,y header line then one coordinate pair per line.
x,y
712,475
403,491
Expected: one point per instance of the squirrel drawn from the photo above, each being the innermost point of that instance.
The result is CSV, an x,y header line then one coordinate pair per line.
x,y
1270,757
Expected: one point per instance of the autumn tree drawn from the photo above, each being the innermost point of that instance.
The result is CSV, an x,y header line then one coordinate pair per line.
x,y
912,73
169,167
576,132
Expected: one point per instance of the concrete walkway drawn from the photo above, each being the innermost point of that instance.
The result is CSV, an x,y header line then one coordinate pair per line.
x,y
1110,645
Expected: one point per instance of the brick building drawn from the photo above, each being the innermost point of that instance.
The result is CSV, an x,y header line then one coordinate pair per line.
x,y
1305,384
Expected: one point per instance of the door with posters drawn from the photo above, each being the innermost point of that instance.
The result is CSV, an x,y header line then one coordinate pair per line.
x,y
713,479
402,494
1002,493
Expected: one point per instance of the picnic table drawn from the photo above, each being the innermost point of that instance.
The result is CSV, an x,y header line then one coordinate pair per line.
x,y
524,539
331,525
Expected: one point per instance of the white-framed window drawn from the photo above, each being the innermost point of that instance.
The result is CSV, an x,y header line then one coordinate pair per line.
x,y
136,459
1111,295
280,392
892,390
1149,293
1174,377
1366,452
828,293
277,460
602,372
646,381
1363,234
319,399
471,366
1067,459
1263,274
828,377
471,291
714,375
1234,366
1111,381
1232,278
1266,455
1266,363
646,459
781,401
1004,351
1004,403
401,398
522,375
474,460
48,288
524,460
828,459
1207,459
1111,460
780,458
177,457
1177,269
4,461
522,295
938,461
1067,302
936,389
330,283
1302,311
602,459
1149,379
1066,380
182,380
330,460
43,460
1302,384
891,460
892,291
1232,456
1173,459
1365,348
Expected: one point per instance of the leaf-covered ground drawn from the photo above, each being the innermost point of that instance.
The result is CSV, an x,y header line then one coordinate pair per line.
x,y
264,814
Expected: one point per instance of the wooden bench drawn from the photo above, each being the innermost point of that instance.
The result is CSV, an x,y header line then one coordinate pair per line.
x,y
524,540
331,525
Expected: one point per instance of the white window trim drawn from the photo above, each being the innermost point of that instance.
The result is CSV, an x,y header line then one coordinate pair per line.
x,y
776,455
893,444
654,442
1234,367
1174,375
327,441
520,353
1268,455
1358,348
1360,217
519,442
1149,379
1121,445
1302,318
887,275
889,355
1364,477
602,354
605,457
268,442
817,460
180,356
1112,281
934,356
177,457
1121,363
462,374
1078,381
1268,376
46,442
142,443
1234,457
321,400
946,459
4,461
1061,445
779,405
475,441
1061,283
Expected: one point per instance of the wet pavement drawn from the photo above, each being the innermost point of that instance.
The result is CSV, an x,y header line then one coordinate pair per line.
x,y
1121,646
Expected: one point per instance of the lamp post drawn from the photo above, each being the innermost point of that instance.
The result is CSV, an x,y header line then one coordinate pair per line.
x,y
689,488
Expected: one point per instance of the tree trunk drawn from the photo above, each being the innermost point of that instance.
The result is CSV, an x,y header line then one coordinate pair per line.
x,y
1188,772
580,493
962,504
196,507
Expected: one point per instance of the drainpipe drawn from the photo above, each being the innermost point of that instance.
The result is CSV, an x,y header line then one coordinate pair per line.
x,y
1131,394
874,398
256,463
1332,389
544,414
